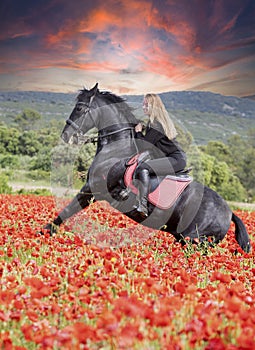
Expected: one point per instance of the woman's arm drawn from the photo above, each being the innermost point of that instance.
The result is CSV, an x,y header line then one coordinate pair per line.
x,y
139,127
138,130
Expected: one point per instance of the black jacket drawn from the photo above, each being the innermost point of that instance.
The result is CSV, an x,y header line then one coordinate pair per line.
x,y
155,136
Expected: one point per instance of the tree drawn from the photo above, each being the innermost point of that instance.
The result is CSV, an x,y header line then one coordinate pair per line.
x,y
251,137
42,161
9,140
238,148
9,161
184,137
4,187
217,175
248,175
28,143
27,119
48,137
219,150
85,157
243,160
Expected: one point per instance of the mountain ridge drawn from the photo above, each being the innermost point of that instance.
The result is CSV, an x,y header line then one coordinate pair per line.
x,y
205,114
203,101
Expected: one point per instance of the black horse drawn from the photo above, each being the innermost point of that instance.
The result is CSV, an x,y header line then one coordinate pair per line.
x,y
198,213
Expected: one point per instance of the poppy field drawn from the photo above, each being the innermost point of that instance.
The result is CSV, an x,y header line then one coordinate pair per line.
x,y
69,292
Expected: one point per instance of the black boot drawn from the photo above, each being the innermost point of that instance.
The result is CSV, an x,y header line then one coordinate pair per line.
x,y
143,187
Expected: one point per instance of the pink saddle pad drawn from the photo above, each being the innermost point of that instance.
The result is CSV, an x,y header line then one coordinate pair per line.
x,y
168,191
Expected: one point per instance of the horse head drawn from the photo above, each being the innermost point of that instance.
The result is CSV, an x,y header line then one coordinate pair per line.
x,y
95,109
81,119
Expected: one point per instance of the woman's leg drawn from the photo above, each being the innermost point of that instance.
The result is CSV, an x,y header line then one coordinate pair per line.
x,y
143,177
164,166
158,167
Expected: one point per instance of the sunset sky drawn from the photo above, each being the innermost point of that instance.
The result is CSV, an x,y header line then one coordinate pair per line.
x,y
128,46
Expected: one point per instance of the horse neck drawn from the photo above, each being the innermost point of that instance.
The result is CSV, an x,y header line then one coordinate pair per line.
x,y
116,130
117,141
112,116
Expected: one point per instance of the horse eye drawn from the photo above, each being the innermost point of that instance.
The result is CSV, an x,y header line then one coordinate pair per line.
x,y
78,108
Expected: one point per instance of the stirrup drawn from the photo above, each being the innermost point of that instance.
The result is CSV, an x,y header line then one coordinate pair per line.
x,y
143,157
142,209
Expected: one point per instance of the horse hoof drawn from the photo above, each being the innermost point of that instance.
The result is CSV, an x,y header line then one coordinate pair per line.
x,y
142,211
48,229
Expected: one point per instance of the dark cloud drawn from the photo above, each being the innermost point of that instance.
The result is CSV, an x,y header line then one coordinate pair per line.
x,y
178,39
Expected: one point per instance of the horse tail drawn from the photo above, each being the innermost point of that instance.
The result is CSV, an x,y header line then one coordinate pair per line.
x,y
241,234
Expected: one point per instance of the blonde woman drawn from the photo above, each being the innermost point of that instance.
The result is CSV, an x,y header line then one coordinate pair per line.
x,y
160,141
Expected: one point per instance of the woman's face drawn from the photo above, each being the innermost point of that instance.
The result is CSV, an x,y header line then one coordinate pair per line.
x,y
146,106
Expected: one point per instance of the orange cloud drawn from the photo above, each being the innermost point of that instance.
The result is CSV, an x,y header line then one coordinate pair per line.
x,y
230,24
163,38
181,30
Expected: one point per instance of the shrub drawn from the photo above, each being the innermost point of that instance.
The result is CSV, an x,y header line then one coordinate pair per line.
x,y
38,175
9,161
37,192
4,187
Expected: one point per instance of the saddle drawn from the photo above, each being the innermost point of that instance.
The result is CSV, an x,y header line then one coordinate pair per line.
x,y
167,191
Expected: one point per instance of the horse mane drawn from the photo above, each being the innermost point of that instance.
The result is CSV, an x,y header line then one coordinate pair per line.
x,y
109,98
119,102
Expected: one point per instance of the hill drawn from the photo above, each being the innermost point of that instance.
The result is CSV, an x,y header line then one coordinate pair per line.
x,y
252,97
206,115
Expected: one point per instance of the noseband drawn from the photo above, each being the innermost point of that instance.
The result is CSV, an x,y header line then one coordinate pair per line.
x,y
75,126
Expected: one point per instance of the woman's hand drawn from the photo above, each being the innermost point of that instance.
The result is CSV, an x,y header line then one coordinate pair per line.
x,y
139,127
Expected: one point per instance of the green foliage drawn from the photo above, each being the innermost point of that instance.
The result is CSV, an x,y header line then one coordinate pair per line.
x,y
48,137
9,140
9,161
4,187
70,163
28,143
42,161
248,174
206,115
38,174
85,157
251,137
218,150
227,167
27,119
207,126
238,147
217,175
239,154
184,137
37,192
63,157
225,183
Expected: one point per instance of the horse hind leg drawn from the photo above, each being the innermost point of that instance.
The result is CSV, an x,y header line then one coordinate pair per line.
x,y
207,227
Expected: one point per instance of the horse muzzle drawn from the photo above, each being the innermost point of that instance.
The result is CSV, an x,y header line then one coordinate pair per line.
x,y
70,139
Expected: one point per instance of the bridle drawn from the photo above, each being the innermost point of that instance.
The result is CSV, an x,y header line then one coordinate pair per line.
x,y
76,127
88,139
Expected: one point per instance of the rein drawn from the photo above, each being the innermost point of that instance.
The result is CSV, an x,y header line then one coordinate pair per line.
x,y
94,139
86,139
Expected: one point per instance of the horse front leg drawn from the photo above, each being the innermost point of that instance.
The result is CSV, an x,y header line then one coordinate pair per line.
x,y
80,201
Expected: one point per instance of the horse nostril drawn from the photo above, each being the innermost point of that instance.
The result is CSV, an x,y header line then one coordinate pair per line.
x,y
65,137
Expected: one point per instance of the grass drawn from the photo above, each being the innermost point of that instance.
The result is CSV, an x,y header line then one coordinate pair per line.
x,y
242,206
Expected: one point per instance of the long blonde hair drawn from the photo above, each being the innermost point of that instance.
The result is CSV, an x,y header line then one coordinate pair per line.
x,y
158,112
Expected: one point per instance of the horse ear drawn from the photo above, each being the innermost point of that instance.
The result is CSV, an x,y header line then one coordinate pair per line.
x,y
93,91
